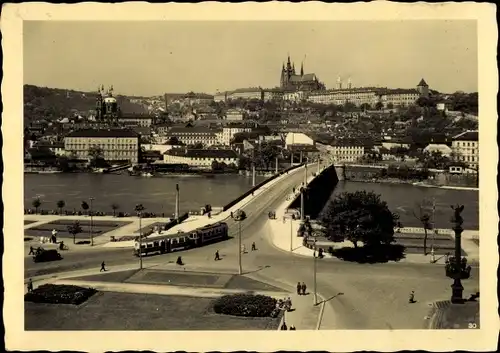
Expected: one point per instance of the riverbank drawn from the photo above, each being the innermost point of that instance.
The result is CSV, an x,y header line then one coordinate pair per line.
x,y
413,183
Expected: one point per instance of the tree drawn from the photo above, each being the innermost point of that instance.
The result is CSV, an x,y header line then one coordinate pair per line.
x,y
215,166
74,229
359,217
60,205
95,153
424,216
174,141
390,106
365,106
379,105
434,159
36,204
114,207
85,206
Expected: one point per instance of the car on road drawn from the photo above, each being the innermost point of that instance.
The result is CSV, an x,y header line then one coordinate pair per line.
x,y
47,255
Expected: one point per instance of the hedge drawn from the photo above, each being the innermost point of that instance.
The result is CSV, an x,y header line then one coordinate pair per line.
x,y
59,294
248,305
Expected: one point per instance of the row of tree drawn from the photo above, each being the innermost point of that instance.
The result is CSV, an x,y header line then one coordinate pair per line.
x,y
37,203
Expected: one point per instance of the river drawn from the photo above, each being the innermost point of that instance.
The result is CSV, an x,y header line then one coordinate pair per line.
x,y
403,199
156,194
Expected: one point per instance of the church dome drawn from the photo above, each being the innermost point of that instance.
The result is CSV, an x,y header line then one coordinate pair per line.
x,y
109,100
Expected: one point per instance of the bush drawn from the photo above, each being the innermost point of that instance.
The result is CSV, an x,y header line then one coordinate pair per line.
x,y
59,294
247,305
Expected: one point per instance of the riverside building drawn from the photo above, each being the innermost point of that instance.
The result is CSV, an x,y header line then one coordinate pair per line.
x,y
200,158
114,144
466,148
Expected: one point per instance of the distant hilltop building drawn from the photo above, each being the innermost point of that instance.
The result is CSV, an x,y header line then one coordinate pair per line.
x,y
291,81
189,98
371,96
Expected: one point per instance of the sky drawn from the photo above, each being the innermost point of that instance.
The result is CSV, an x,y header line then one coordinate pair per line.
x,y
146,58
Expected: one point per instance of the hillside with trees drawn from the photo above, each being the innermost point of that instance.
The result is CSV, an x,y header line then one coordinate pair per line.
x,y
54,103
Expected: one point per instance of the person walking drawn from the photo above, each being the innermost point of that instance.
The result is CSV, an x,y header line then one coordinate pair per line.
x,y
217,257
299,288
254,247
32,251
303,287
411,298
103,267
30,286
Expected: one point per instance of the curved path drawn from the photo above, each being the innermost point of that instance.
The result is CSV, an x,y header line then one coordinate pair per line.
x,y
362,296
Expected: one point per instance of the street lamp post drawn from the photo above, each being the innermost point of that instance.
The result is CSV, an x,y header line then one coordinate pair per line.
x,y
315,298
457,272
91,224
139,208
239,216
291,234
302,190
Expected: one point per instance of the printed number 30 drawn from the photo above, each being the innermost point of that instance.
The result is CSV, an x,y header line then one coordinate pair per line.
x,y
472,325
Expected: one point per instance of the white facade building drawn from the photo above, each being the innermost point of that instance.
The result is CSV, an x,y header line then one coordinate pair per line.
x,y
294,138
200,158
466,147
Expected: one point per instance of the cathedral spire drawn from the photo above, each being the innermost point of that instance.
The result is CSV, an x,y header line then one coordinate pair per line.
x,y
302,69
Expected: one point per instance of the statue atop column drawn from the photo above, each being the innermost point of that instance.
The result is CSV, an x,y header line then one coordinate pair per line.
x,y
457,217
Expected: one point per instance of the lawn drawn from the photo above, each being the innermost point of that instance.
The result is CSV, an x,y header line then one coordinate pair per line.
x,y
127,311
98,228
190,279
180,278
26,222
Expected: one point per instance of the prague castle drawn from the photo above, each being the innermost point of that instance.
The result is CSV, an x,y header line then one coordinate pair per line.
x,y
290,81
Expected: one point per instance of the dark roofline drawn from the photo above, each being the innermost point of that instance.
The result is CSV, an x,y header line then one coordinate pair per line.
x,y
103,133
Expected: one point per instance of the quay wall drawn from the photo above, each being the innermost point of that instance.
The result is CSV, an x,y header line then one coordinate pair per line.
x,y
318,192
261,184
375,173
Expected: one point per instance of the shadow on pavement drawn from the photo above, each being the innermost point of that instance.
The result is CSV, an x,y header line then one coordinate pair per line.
x,y
332,297
371,254
257,270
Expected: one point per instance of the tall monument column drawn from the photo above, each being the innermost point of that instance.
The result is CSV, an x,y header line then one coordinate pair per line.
x,y
176,201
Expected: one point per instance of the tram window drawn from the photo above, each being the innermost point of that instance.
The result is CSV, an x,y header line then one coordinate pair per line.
x,y
174,241
143,246
149,245
156,243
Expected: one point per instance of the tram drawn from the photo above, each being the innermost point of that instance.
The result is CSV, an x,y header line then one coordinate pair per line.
x,y
167,243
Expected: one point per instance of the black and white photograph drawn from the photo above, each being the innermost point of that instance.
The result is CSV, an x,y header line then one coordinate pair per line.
x,y
198,176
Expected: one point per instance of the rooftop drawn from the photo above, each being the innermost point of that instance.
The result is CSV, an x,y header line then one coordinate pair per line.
x,y
103,133
467,136
190,130
423,83
201,153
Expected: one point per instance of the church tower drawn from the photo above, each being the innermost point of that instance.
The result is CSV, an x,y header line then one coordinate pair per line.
x,y
283,76
302,69
99,105
423,88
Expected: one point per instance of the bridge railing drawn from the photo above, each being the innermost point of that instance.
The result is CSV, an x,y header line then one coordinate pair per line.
x,y
261,184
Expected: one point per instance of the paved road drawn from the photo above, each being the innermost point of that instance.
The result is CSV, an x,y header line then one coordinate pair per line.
x,y
374,296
